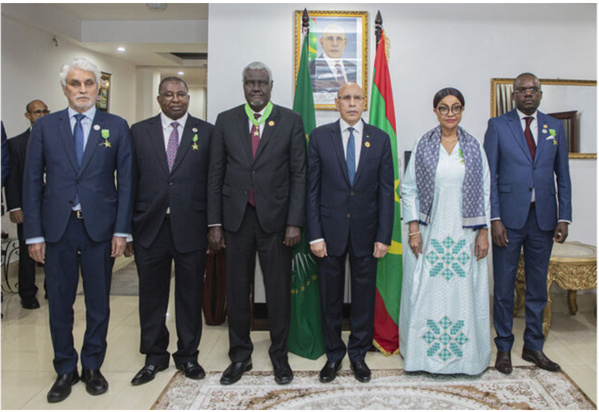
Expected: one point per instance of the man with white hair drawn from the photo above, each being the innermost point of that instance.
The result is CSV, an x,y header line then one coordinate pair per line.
x,y
82,219
329,70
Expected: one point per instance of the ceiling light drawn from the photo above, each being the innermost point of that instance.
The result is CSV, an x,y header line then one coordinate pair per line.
x,y
120,49
180,73
157,6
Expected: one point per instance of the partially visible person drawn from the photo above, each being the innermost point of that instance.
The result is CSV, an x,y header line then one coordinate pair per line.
x,y
17,147
329,71
528,153
444,314
82,219
349,211
5,163
256,199
169,225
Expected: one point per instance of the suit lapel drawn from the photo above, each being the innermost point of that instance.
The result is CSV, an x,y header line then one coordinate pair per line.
x,y
186,140
516,128
270,126
364,153
541,121
93,140
244,133
66,135
156,140
338,145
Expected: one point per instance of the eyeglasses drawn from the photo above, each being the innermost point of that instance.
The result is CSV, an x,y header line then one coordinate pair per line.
x,y
526,90
171,96
254,83
348,97
455,109
40,112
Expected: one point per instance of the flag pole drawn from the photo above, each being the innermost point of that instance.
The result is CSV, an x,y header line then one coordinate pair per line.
x,y
378,26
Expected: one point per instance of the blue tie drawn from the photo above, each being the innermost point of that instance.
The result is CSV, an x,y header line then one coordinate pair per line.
x,y
351,156
78,132
79,137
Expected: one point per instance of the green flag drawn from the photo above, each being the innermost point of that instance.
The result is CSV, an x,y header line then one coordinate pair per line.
x,y
305,333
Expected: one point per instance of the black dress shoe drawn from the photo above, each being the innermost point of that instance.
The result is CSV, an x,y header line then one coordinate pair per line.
x,y
62,387
234,372
540,359
283,374
361,371
30,302
192,370
328,373
503,362
147,373
95,383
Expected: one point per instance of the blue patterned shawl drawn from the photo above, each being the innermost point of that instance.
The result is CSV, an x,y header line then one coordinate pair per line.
x,y
427,159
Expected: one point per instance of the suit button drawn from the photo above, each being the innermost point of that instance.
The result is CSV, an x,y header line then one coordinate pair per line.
x,y
530,189
170,183
70,202
351,193
253,172
348,215
78,181
534,168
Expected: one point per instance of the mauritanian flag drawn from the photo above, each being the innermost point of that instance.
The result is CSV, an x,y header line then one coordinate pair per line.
x,y
305,333
389,269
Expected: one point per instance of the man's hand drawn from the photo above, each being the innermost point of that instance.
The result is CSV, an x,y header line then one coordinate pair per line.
x,y
117,246
129,249
293,234
499,233
561,232
380,249
16,216
216,239
37,252
482,244
319,249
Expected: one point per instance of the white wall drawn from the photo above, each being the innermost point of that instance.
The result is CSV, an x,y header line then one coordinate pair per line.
x,y
432,46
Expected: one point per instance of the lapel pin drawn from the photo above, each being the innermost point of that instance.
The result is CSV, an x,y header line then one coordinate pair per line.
x,y
545,131
96,127
367,144
271,123
194,146
195,130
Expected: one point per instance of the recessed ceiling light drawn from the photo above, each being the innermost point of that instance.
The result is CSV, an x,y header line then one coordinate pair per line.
x,y
120,49
180,73
157,6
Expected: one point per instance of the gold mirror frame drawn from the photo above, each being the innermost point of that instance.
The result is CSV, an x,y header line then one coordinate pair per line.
x,y
495,82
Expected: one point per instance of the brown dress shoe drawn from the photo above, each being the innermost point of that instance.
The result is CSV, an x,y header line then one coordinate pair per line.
x,y
503,362
540,359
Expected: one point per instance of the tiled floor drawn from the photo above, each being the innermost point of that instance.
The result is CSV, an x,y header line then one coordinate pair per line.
x,y
27,372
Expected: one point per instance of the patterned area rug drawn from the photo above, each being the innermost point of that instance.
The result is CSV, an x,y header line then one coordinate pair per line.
x,y
526,388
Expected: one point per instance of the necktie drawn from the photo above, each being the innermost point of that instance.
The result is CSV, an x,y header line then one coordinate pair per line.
x,y
255,137
340,78
172,146
530,141
351,156
78,132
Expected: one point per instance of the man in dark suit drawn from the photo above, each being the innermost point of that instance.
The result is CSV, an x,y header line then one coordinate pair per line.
x,y
329,70
169,224
527,153
256,192
17,147
82,215
349,210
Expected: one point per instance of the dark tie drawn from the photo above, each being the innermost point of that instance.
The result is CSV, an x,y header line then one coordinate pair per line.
x,y
339,74
255,137
351,156
530,141
172,146
78,132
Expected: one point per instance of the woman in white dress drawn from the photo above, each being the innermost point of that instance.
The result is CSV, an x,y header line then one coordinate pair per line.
x,y
444,324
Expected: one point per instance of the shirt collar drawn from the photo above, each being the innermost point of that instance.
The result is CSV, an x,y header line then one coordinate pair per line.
x,y
359,127
522,115
90,114
166,121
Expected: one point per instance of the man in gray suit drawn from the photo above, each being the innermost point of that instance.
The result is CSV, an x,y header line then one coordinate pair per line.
x,y
256,192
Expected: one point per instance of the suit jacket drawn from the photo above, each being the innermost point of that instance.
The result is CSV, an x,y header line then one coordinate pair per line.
x,y
17,147
106,207
514,173
338,212
324,80
183,189
5,158
277,173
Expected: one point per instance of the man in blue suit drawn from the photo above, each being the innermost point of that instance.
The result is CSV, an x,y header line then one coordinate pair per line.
x,y
81,217
527,153
349,210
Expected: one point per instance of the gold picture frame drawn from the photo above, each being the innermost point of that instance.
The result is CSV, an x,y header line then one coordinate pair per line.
x,y
103,98
348,31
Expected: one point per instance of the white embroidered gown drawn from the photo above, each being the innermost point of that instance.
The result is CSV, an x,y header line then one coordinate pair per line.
x,y
444,324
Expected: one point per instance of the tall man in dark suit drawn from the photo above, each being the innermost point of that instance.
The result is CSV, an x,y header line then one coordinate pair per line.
x,y
349,210
17,147
527,152
81,215
169,224
256,192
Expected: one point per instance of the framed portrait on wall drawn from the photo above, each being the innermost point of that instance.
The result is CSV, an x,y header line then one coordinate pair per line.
x,y
338,52
103,99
